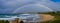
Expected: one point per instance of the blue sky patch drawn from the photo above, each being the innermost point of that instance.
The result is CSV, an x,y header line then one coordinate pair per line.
x,y
55,0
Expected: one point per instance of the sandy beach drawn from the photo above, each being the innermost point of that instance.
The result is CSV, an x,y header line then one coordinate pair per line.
x,y
45,17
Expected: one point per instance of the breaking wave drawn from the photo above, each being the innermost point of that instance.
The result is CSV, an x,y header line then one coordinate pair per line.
x,y
24,17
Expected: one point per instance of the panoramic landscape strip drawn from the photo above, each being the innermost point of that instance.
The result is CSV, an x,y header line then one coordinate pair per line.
x,y
46,17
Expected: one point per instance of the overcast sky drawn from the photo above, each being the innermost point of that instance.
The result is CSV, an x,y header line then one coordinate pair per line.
x,y
18,6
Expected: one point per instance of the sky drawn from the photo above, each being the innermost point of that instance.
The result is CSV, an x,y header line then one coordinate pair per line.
x,y
21,6
18,6
55,0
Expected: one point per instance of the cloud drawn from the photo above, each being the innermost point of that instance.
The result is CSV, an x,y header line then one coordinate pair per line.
x,y
53,5
10,6
32,8
26,7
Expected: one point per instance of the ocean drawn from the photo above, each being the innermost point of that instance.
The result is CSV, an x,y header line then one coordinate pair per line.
x,y
24,17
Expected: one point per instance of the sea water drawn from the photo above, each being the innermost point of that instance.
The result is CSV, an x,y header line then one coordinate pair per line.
x,y
24,17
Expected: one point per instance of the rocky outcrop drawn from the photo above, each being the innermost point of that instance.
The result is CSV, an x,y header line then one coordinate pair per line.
x,y
17,20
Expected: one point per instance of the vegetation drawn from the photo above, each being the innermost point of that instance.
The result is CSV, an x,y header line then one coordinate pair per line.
x,y
4,21
56,19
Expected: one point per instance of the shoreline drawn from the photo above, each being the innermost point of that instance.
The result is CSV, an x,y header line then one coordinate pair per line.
x,y
45,17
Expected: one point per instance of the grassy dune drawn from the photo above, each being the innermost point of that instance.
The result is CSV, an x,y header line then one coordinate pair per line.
x,y
4,21
56,19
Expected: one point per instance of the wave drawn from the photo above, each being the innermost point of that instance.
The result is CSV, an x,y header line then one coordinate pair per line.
x,y
24,17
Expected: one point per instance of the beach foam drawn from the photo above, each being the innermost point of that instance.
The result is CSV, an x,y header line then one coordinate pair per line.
x,y
24,17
